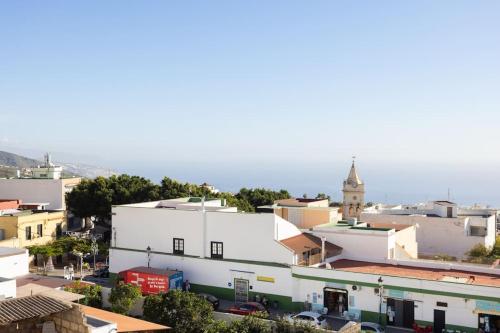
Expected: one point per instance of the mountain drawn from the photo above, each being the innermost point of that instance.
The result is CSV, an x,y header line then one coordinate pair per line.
x,y
10,163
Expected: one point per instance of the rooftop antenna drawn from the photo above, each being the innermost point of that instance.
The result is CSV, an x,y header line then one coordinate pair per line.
x,y
449,196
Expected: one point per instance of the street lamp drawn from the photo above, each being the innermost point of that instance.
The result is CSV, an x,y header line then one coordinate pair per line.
x,y
380,293
148,251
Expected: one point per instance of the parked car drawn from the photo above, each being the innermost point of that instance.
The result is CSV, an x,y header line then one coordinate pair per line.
x,y
368,327
102,272
210,298
310,318
247,308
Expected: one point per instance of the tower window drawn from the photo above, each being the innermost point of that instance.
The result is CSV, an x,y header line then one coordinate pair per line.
x,y
355,198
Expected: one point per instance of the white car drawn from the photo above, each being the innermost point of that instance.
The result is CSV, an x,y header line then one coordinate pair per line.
x,y
309,318
367,327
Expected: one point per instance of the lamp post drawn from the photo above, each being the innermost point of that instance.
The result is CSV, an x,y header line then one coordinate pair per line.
x,y
380,293
148,251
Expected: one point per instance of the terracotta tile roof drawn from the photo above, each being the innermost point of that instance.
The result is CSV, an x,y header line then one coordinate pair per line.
x,y
435,274
305,242
17,309
124,323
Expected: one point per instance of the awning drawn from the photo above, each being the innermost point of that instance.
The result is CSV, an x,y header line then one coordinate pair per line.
x,y
335,290
488,312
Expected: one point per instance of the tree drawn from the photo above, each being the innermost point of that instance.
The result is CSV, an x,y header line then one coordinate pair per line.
x,y
123,296
261,196
94,197
46,251
172,189
92,293
185,312
322,196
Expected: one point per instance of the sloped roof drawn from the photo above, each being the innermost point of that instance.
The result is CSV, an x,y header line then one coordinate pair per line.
x,y
36,289
305,242
124,323
353,176
18,309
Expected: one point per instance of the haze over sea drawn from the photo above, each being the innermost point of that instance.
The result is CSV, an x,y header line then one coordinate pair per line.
x,y
278,94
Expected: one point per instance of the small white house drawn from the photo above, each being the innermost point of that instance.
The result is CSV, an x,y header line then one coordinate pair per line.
x,y
440,228
13,263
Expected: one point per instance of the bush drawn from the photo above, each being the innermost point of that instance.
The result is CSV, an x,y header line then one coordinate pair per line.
x,y
123,297
185,312
479,250
92,293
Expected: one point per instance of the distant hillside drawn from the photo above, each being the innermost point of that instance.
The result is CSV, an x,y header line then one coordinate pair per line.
x,y
17,161
10,163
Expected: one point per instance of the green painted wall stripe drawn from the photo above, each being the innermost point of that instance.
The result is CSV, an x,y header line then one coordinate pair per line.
x,y
416,290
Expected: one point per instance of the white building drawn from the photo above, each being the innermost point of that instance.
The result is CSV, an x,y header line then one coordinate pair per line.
x,y
36,190
13,263
238,256
441,227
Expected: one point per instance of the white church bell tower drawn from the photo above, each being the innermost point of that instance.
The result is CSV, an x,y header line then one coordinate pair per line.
x,y
354,195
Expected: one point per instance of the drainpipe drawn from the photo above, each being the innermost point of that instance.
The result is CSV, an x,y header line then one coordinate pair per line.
x,y
323,239
204,221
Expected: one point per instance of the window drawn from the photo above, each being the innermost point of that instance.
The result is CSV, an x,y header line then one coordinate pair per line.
x,y
178,245
28,233
216,250
39,230
58,230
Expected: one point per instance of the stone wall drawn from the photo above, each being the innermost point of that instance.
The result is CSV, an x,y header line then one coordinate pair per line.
x,y
71,321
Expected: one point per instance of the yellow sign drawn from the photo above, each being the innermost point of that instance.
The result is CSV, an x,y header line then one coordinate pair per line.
x,y
265,279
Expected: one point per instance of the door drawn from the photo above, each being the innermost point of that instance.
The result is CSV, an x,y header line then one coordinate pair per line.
x,y
240,291
408,314
439,321
399,309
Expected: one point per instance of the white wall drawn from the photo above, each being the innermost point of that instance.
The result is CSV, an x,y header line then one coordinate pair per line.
x,y
244,236
285,229
7,288
208,272
434,233
359,244
249,236
13,262
137,228
34,190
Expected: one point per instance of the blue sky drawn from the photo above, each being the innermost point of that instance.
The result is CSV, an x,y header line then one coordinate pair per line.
x,y
261,93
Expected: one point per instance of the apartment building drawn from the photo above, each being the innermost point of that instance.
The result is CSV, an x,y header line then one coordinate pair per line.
x,y
26,227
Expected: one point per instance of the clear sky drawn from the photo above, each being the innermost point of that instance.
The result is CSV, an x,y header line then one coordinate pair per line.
x,y
261,93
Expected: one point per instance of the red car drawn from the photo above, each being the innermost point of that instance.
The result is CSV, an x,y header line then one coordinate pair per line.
x,y
247,308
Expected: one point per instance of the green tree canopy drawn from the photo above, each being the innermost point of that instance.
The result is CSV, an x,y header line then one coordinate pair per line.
x,y
185,312
94,197
261,196
92,293
123,296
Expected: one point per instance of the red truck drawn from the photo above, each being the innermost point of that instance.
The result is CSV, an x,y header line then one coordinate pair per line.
x,y
153,280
